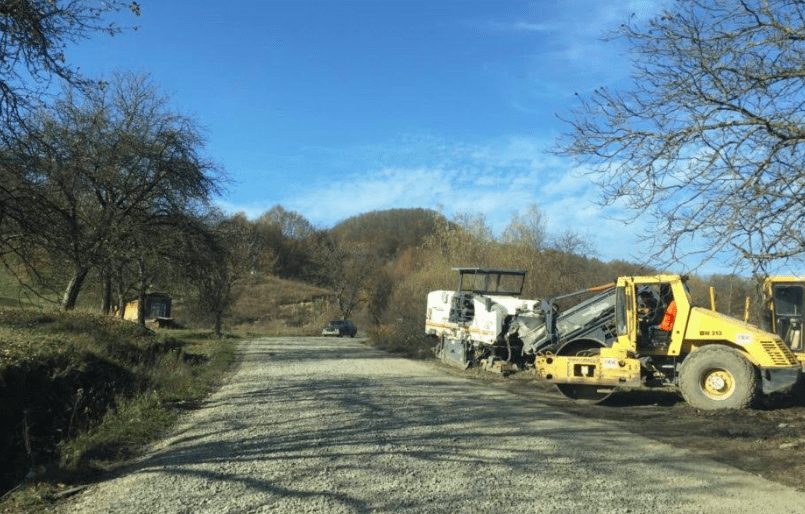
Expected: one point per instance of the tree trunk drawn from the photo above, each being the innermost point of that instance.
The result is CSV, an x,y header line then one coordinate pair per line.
x,y
121,305
218,324
73,288
106,295
141,307
143,286
121,297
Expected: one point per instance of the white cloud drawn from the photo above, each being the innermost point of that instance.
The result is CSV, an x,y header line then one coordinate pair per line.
x,y
563,49
519,26
496,178
251,210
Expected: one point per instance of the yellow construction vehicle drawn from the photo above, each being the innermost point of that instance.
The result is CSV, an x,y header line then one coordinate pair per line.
x,y
715,361
783,311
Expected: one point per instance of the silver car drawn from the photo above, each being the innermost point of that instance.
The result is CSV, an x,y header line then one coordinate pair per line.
x,y
340,327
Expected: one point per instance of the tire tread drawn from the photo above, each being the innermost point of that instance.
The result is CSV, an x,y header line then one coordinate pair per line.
x,y
717,354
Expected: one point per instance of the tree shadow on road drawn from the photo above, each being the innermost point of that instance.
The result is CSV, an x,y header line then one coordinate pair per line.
x,y
324,426
363,440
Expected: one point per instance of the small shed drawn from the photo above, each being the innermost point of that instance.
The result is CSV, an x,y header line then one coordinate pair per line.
x,y
157,305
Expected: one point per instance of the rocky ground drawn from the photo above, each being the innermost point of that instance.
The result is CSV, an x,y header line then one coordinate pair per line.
x,y
330,425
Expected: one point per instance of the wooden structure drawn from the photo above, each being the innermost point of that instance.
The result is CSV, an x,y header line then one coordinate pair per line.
x,y
157,306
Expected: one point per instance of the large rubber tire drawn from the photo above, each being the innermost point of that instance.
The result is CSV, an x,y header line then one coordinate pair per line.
x,y
718,377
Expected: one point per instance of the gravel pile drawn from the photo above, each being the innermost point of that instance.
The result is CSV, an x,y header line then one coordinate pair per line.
x,y
329,425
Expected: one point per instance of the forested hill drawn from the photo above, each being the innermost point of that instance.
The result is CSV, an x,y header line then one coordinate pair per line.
x,y
375,267
389,232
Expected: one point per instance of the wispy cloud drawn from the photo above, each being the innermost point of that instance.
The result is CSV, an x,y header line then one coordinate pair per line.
x,y
575,20
496,178
562,50
518,26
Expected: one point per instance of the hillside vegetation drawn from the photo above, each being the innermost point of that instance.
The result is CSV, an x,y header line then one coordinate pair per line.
x,y
388,232
78,390
284,276
276,306
377,268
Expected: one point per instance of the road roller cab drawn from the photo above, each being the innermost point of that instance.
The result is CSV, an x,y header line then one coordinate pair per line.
x,y
785,311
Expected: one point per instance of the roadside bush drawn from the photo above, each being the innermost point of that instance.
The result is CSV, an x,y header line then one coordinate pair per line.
x,y
408,341
65,376
131,423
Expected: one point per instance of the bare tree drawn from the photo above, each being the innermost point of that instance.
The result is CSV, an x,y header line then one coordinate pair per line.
x,y
345,268
215,258
93,176
526,229
379,287
710,141
283,240
475,224
572,241
290,223
33,37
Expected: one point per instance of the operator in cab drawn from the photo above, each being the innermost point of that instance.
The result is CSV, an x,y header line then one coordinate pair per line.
x,y
646,314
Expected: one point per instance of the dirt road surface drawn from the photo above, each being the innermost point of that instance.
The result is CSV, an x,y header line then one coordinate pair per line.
x,y
330,425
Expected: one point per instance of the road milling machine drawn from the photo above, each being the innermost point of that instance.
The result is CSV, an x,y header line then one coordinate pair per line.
x,y
641,331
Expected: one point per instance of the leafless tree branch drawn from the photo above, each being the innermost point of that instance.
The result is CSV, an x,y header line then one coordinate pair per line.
x,y
710,140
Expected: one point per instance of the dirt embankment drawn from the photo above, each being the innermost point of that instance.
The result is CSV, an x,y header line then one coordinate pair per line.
x,y
78,390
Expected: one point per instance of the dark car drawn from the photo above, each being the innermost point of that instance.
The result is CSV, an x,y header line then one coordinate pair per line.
x,y
340,327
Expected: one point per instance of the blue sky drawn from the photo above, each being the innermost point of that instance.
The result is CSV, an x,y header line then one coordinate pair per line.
x,y
333,108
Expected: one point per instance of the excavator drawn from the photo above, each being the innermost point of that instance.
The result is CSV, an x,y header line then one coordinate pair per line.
x,y
616,337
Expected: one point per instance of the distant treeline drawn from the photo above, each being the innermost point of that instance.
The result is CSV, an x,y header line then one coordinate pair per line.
x,y
380,265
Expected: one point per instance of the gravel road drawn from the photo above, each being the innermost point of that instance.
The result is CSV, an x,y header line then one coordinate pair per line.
x,y
330,425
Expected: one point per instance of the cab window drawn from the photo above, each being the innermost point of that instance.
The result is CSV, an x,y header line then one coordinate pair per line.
x,y
788,300
620,311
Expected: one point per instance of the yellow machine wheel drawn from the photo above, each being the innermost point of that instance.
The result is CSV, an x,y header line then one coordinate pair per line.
x,y
718,377
718,384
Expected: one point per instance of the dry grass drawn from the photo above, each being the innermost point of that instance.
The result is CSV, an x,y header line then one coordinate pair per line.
x,y
79,391
283,327
409,340
278,307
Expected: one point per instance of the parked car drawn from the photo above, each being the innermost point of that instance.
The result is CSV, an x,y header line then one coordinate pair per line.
x,y
340,327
